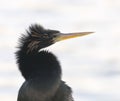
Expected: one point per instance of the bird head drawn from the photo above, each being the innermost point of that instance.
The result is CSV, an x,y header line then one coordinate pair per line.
x,y
40,37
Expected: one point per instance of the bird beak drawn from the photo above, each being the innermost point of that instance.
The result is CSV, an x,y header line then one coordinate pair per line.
x,y
62,36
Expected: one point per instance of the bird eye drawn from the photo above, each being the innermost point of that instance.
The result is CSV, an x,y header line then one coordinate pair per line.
x,y
45,36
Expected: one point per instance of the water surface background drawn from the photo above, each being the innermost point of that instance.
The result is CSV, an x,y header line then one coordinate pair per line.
x,y
91,64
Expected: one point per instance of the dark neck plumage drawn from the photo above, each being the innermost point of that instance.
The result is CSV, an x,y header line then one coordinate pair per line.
x,y
34,63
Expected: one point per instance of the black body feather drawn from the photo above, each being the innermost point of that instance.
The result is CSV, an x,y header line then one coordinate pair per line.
x,y
41,69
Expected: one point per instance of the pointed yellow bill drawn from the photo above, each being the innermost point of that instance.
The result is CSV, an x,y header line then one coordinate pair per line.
x,y
61,36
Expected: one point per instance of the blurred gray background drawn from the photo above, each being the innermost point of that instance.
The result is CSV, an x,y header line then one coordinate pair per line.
x,y
91,64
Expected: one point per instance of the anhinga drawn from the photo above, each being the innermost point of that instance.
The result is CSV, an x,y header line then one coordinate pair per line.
x,y
41,69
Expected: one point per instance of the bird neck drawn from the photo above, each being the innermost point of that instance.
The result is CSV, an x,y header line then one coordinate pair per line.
x,y
34,63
